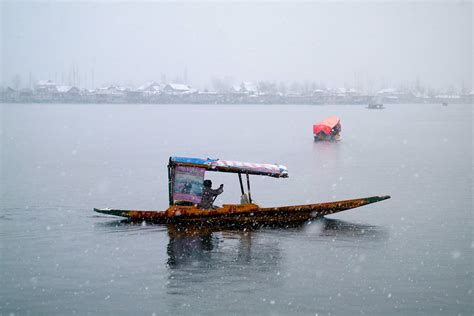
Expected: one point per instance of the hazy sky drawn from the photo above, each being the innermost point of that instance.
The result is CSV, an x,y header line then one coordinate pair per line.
x,y
341,44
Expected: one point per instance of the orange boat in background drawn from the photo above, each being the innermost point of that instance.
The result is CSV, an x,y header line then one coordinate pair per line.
x,y
328,129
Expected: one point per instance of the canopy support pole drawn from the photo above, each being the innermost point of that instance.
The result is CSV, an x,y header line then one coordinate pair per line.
x,y
248,188
170,183
241,184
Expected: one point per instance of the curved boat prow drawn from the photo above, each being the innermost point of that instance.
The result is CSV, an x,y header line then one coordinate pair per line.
x,y
339,206
379,198
136,214
108,211
326,208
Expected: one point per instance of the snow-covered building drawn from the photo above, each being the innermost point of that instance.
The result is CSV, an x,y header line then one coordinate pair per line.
x,y
151,88
67,93
394,95
321,92
110,94
345,92
67,89
178,88
447,96
46,86
387,91
111,90
10,95
246,87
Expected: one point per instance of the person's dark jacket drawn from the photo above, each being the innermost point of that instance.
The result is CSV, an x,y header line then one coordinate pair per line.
x,y
208,196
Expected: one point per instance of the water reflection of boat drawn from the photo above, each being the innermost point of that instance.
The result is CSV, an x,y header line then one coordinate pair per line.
x,y
328,129
184,203
203,260
187,247
193,245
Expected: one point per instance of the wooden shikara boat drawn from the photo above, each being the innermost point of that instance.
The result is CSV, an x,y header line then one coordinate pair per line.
x,y
242,213
185,177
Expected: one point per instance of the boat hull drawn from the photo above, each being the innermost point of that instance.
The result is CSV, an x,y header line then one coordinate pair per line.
x,y
242,214
328,138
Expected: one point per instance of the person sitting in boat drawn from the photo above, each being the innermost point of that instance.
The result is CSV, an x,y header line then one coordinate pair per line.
x,y
336,129
209,195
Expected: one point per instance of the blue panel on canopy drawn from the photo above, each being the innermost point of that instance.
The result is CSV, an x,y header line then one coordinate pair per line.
x,y
188,160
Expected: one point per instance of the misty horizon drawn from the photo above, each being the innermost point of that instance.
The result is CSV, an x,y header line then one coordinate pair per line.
x,y
365,45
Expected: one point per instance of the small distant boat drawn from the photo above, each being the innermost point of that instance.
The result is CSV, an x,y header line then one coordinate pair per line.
x,y
445,103
328,129
377,106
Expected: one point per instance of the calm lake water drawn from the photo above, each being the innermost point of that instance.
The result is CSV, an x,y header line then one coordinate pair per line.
x,y
410,255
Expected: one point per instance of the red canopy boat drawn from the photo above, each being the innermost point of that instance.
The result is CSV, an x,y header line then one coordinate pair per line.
x,y
327,129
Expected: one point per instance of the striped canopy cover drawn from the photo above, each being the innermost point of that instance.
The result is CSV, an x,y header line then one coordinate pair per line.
x,y
272,170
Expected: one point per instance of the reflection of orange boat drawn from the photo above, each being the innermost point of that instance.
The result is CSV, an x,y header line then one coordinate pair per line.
x,y
328,129
183,206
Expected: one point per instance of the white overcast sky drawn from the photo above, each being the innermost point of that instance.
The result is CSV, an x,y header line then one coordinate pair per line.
x,y
343,43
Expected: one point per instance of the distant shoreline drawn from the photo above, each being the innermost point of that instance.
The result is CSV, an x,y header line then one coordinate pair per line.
x,y
239,101
47,91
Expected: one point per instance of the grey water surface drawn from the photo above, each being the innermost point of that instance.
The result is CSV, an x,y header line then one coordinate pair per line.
x,y
409,255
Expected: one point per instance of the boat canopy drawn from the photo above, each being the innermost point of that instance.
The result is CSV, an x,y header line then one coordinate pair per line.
x,y
271,170
326,125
